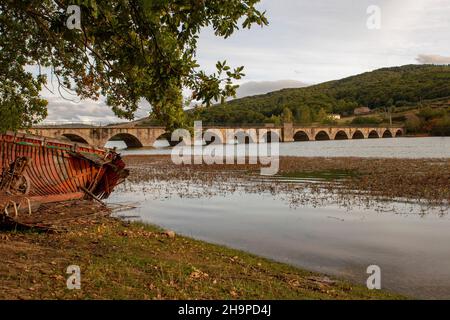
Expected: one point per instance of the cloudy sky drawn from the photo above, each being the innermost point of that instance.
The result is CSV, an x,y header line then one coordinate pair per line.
x,y
309,42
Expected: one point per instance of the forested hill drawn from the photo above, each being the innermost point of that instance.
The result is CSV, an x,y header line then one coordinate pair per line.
x,y
388,87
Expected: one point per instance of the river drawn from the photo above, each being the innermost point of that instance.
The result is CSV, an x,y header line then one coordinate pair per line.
x,y
428,147
407,241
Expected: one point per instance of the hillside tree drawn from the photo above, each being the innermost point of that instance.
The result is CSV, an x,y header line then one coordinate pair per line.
x,y
287,116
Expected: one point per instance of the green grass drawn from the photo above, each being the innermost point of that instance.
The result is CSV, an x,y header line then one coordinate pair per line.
x,y
136,261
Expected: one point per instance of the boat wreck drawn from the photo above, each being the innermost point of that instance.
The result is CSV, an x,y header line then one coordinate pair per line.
x,y
37,170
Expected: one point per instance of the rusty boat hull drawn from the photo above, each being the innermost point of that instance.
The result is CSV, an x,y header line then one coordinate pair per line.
x,y
36,169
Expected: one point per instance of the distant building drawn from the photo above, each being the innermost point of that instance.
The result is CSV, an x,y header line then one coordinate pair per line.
x,y
362,111
335,116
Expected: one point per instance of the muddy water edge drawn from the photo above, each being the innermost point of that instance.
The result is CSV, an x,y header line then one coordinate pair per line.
x,y
331,215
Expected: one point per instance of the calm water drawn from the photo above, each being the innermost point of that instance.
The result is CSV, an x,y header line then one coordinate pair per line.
x,y
412,248
430,147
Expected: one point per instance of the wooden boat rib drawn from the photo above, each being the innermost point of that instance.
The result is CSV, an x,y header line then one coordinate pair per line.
x,y
52,170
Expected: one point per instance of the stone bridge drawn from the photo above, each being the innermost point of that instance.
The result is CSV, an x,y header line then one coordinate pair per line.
x,y
135,137
296,133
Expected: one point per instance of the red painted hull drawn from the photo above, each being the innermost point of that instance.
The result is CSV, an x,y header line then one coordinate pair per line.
x,y
60,169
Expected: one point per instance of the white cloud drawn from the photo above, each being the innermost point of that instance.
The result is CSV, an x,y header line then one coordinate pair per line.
x,y
315,41
432,59
60,109
327,39
261,87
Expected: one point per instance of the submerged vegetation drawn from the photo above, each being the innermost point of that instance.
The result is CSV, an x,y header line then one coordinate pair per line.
x,y
350,180
329,175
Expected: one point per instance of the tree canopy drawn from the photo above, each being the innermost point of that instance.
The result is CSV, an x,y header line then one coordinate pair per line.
x,y
126,51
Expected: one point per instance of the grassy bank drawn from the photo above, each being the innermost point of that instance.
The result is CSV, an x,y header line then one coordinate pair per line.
x,y
133,261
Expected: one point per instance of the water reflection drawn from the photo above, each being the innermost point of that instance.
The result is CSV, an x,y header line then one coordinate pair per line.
x,y
321,233
313,223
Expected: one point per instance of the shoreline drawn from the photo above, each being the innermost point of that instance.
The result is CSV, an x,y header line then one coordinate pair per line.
x,y
121,260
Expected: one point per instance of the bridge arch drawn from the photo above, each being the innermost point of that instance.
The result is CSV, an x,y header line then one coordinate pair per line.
x,y
244,137
341,135
75,138
130,140
399,133
373,134
301,136
181,138
267,137
322,136
163,141
212,136
387,134
358,135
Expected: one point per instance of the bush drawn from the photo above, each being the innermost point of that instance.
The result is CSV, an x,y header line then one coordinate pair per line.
x,y
329,121
366,120
399,119
413,124
429,113
442,128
